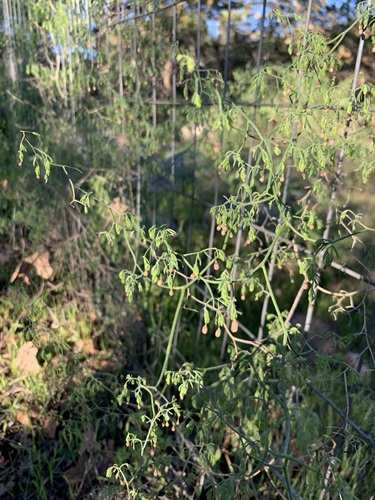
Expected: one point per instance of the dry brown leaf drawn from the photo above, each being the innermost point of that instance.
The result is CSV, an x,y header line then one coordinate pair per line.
x,y
34,412
40,261
25,277
85,345
77,473
49,427
26,361
15,272
93,317
166,75
23,419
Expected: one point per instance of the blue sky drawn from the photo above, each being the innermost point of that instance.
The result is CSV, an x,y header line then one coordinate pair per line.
x,y
213,24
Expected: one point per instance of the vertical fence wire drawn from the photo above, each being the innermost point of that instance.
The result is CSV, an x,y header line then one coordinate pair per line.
x,y
154,109
138,174
174,99
10,56
217,178
125,166
173,159
272,264
194,161
70,42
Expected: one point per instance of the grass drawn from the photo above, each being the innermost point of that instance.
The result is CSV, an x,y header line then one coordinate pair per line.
x,y
59,417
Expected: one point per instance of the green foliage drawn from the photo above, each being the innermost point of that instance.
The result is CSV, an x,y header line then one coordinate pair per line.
x,y
255,397
219,398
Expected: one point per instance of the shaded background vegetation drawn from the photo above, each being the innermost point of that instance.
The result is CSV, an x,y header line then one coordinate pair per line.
x,y
131,110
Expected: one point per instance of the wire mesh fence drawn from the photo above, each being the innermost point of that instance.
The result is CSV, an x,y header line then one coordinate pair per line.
x,y
114,68
230,123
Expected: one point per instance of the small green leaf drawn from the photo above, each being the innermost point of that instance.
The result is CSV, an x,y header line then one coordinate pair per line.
x,y
190,64
305,264
196,100
146,264
206,316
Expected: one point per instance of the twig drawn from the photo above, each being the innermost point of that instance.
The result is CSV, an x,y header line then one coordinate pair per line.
x,y
303,249
266,470
359,431
295,303
295,494
255,343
